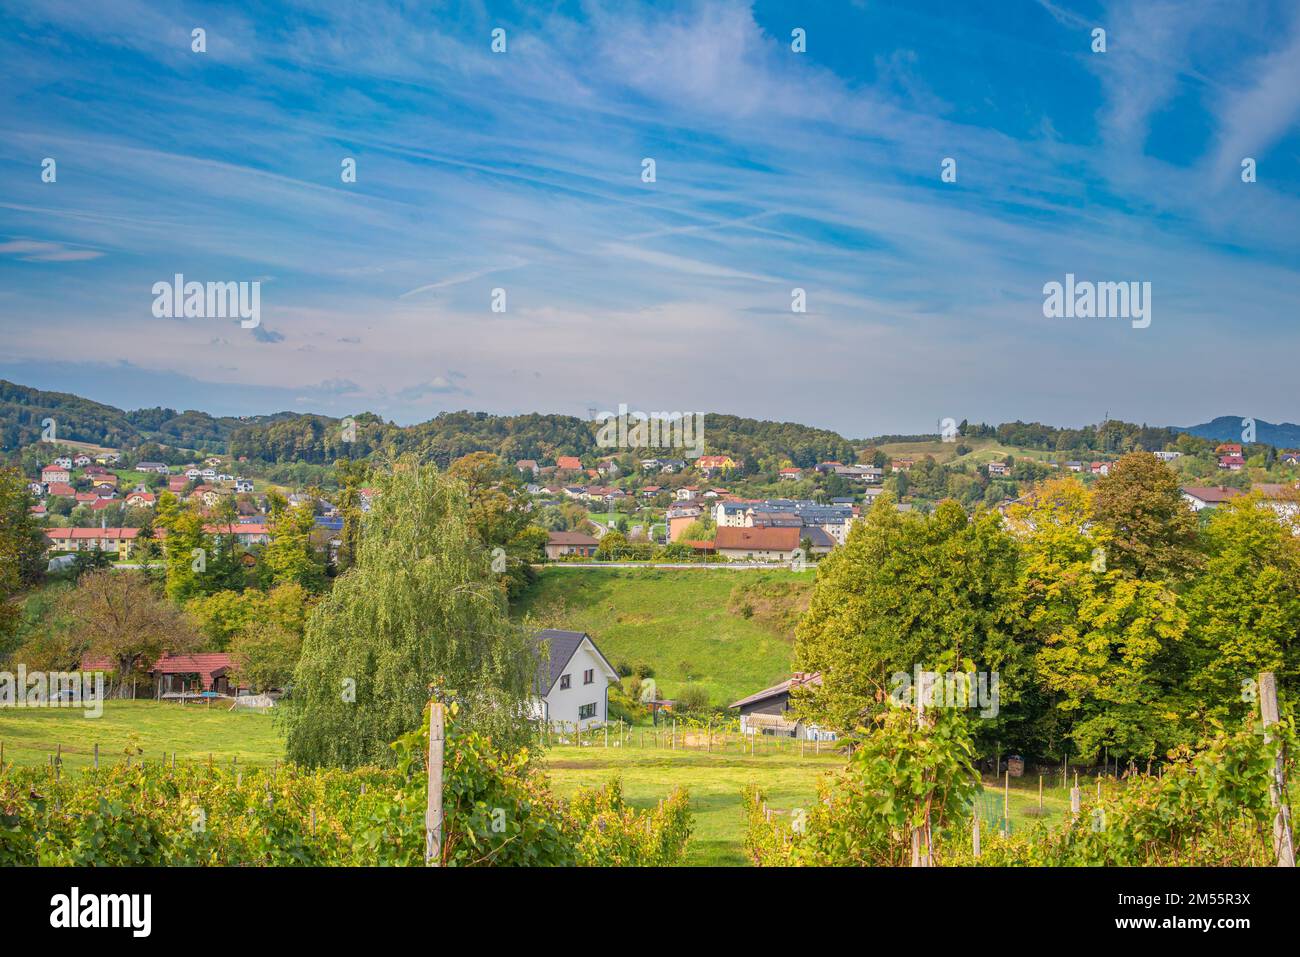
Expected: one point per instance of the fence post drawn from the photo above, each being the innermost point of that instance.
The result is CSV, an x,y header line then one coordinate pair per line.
x,y
1006,804
1075,799
1040,795
975,831
1282,841
433,817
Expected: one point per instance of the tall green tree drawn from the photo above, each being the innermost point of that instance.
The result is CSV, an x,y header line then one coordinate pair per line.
x,y
1153,532
1244,609
186,548
291,558
911,590
22,551
421,606
1107,653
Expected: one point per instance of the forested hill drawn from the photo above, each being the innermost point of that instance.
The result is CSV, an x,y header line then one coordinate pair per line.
x,y
318,439
291,437
23,410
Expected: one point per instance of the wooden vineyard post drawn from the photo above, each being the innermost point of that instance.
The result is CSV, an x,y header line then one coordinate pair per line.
x,y
1006,805
1040,795
1282,838
921,834
975,832
433,816
1075,799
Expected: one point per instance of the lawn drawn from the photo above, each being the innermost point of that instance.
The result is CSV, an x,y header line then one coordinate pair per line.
x,y
147,728
679,621
715,780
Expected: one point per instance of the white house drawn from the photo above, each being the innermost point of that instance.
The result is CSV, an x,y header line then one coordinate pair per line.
x,y
573,680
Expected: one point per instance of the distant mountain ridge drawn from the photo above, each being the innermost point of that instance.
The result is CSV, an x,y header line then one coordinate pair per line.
x,y
1229,428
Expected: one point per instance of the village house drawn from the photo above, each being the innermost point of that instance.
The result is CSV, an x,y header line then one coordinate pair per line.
x,y
997,469
139,499
711,465
81,461
1208,496
527,465
757,544
243,486
1100,468
116,540
901,465
64,462
568,463
1232,463
1290,457
1228,448
573,679
160,468
560,544
767,711
1074,466
791,474
680,517
176,675
56,473
1167,456
246,534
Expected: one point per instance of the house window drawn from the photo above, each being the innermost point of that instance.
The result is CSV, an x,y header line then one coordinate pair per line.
x,y
564,682
589,676
586,711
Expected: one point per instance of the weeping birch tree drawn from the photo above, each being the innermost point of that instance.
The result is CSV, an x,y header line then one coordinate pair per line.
x,y
420,607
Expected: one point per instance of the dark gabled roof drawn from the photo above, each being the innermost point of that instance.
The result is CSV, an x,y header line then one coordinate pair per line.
x,y
563,645
785,687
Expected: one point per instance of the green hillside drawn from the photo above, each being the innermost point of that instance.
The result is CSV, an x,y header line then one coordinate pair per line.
x,y
730,631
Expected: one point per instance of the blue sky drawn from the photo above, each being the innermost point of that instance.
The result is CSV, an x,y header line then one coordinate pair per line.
x,y
775,170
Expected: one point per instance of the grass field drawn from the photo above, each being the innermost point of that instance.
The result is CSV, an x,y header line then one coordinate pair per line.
x,y
715,780
147,729
982,451
677,621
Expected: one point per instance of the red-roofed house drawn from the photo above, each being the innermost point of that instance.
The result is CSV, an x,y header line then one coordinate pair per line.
x,y
181,673
55,473
758,544
246,533
1233,463
1208,496
792,474
569,463
60,488
117,540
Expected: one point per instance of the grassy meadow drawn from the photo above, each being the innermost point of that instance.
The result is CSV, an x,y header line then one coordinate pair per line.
x,y
689,625
144,729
